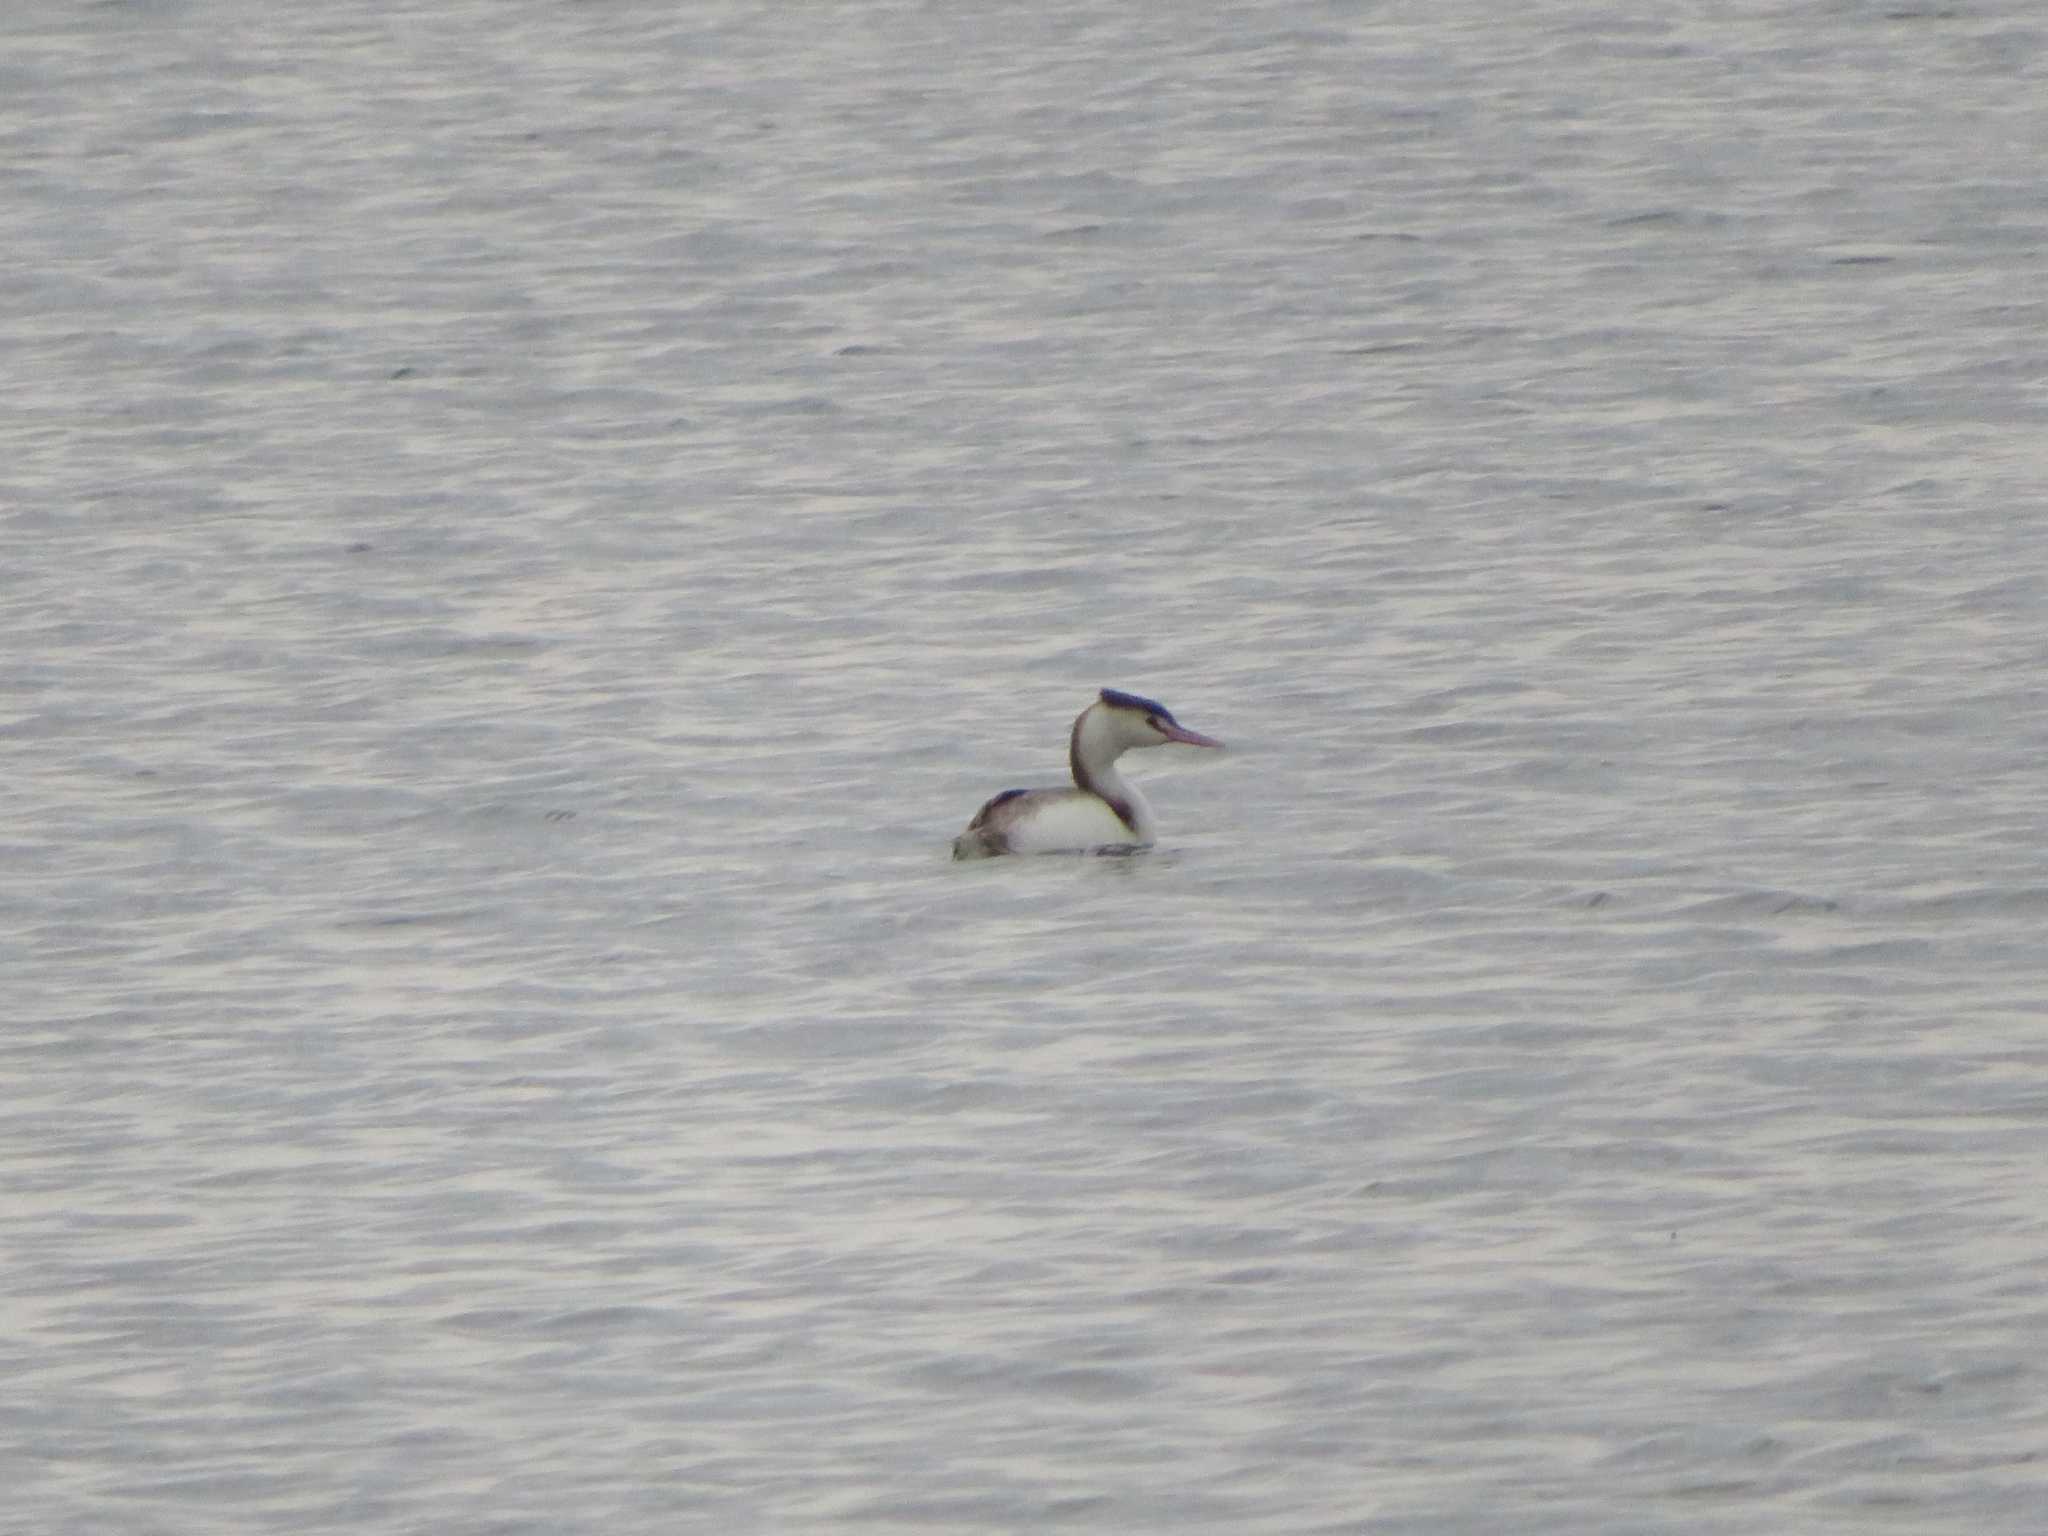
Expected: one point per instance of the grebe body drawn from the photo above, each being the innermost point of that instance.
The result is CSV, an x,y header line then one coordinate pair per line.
x,y
1103,810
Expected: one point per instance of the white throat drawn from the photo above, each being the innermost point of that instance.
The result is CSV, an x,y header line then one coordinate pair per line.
x,y
1097,743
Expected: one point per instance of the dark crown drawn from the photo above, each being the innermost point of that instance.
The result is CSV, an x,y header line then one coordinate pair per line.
x,y
1118,700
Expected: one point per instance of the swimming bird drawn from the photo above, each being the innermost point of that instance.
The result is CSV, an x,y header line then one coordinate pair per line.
x,y
1101,812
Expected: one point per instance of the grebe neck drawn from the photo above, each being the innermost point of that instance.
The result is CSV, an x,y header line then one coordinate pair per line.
x,y
1092,752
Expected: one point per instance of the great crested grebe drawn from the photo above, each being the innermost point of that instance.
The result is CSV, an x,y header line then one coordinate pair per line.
x,y
1101,811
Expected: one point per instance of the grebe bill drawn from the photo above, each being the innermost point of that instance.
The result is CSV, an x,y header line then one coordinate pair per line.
x,y
1103,810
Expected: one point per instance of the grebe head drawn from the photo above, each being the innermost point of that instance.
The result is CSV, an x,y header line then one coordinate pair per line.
x,y
1137,722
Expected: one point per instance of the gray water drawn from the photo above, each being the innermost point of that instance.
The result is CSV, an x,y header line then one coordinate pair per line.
x,y
529,527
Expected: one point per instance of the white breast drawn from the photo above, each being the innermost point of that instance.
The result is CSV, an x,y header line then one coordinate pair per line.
x,y
1074,820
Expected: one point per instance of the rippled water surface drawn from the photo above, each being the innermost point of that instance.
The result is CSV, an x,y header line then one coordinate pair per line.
x,y
529,527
